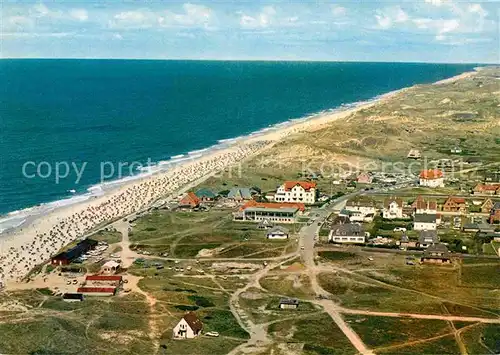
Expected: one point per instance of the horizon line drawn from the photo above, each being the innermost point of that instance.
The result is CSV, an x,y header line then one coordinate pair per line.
x,y
246,60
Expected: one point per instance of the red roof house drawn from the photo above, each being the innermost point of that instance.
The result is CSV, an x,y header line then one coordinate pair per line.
x,y
431,174
190,200
306,185
432,178
103,278
455,204
97,291
487,189
364,178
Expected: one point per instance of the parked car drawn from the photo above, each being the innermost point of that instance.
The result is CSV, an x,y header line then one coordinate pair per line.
x,y
400,229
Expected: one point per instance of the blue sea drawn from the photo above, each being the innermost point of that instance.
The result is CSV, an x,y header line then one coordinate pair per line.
x,y
92,111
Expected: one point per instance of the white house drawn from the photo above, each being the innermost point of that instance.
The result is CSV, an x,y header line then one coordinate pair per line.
x,y
425,222
110,267
189,327
297,191
347,233
278,232
393,208
361,210
432,178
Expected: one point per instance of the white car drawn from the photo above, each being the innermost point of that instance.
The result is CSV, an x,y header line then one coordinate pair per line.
x,y
400,229
212,334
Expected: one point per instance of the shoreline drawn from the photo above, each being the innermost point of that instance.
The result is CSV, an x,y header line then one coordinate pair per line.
x,y
25,216
32,244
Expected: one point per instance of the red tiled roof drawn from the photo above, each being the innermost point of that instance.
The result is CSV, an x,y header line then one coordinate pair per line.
x,y
485,187
429,205
306,185
459,200
431,174
103,278
190,199
96,290
254,203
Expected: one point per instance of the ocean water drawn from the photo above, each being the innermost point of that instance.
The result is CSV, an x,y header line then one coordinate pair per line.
x,y
58,112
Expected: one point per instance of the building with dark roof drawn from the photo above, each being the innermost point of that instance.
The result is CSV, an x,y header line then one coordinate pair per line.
x,y
288,303
206,195
427,238
347,233
73,297
436,254
278,232
190,326
66,257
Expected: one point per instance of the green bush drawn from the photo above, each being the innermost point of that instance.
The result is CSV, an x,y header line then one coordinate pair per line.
x,y
201,301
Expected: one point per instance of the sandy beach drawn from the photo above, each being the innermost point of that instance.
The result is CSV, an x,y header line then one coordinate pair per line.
x,y
34,243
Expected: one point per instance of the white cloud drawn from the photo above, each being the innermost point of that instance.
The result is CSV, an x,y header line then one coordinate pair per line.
x,y
18,23
40,10
438,2
477,9
79,14
142,18
36,35
266,18
338,10
193,15
422,23
387,17
383,21
446,26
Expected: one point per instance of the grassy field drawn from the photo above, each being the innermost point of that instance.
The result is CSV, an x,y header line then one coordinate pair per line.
x,y
482,339
264,308
319,335
201,345
291,285
90,327
108,236
476,291
386,331
386,283
185,234
370,296
441,346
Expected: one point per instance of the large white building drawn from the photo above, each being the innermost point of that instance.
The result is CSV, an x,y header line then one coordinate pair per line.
x,y
432,178
297,191
254,211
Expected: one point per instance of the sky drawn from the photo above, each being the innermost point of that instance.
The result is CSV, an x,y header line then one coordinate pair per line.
x,y
449,31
